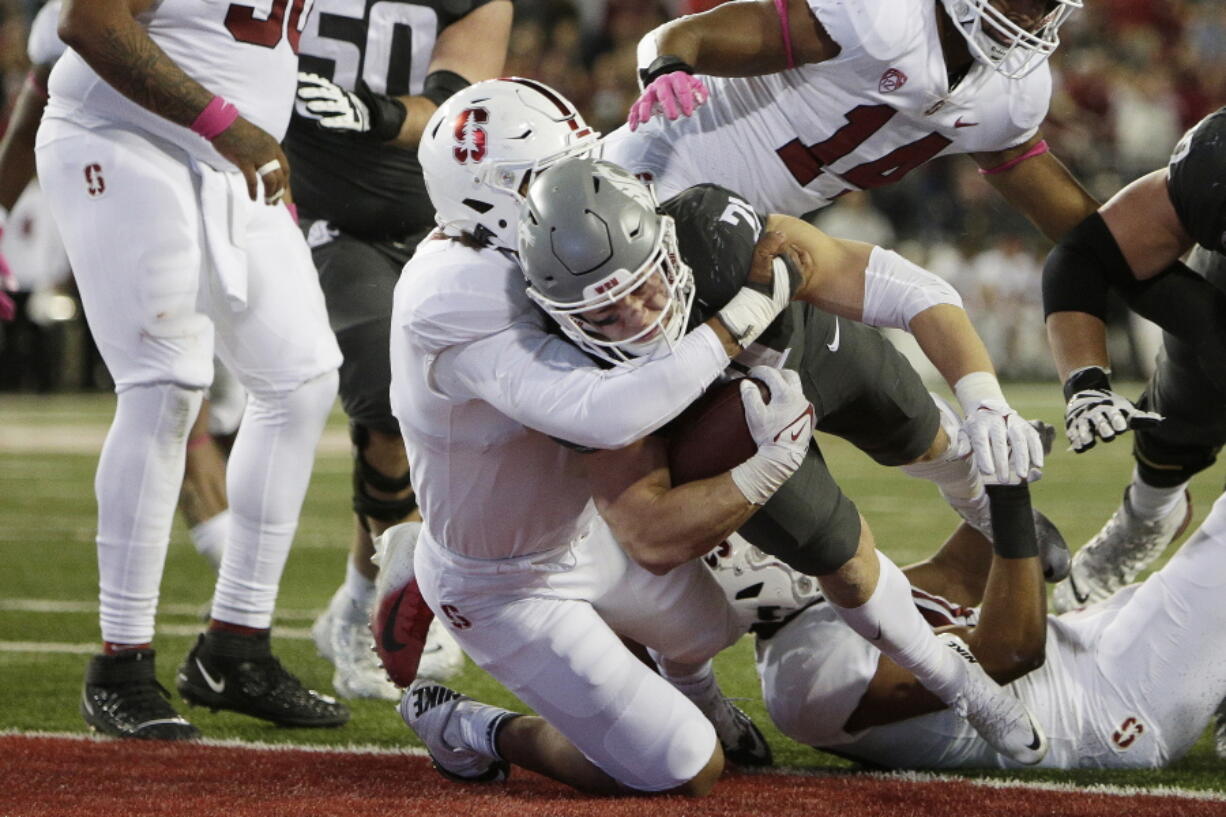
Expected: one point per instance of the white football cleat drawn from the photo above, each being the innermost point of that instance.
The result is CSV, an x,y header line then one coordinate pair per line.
x,y
997,715
342,636
1124,547
449,724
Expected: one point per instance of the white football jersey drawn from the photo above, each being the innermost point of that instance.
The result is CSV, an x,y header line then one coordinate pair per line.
x,y
246,53
816,697
484,393
792,141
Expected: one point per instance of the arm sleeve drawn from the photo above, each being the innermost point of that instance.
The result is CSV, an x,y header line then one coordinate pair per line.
x,y
546,384
896,290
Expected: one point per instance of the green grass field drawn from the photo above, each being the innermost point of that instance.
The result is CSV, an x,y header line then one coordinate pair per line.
x,y
48,583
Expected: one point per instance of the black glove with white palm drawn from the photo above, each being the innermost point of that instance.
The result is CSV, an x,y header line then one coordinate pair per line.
x,y
376,117
1007,448
1094,412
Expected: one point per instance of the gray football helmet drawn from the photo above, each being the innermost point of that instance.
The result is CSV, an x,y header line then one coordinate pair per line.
x,y
590,234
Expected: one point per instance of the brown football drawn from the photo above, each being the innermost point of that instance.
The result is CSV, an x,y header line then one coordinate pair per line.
x,y
711,436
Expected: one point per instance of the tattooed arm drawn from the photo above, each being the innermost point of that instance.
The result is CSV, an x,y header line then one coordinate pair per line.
x,y
108,37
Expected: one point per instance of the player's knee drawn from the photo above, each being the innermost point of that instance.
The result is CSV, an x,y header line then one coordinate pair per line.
x,y
377,494
826,550
1166,465
701,784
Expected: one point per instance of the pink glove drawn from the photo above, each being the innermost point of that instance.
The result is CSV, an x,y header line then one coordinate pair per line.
x,y
676,93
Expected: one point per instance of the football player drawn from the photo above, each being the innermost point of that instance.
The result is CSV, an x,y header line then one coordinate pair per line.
x,y
792,102
1130,682
371,75
168,196
1134,244
513,555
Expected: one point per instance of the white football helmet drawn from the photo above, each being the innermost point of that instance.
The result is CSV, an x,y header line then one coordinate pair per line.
x,y
762,589
482,146
996,39
590,235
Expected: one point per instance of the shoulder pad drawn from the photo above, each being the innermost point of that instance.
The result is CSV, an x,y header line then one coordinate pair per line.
x,y
453,294
716,232
1194,182
882,29
45,46
1029,98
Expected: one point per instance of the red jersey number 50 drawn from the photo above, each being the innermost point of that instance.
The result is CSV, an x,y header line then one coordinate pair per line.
x,y
248,28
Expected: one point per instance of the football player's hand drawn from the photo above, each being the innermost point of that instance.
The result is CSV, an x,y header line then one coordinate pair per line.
x,y
756,305
676,93
259,156
782,426
360,111
1094,412
1007,448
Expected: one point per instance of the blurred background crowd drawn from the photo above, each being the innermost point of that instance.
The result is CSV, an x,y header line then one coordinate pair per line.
x,y
1130,77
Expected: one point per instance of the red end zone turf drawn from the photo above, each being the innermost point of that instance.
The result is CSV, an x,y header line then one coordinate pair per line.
x,y
87,778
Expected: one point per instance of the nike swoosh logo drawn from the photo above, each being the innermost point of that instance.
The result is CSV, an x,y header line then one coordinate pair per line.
x,y
215,685
388,637
960,124
1036,741
1082,598
834,344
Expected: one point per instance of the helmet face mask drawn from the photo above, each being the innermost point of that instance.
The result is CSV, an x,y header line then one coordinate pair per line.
x,y
604,263
996,39
483,145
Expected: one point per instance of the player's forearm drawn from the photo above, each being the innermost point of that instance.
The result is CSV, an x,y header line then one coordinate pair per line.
x,y
106,35
17,145
1077,340
732,40
946,336
1041,188
662,527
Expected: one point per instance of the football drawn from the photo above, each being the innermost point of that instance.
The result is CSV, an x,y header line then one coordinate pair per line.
x,y
711,436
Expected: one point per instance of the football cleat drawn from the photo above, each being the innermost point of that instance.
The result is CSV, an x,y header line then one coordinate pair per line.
x,y
1124,547
239,673
438,716
997,715
122,697
402,619
342,636
742,741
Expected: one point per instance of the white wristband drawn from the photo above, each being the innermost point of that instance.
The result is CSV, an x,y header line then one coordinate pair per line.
x,y
749,312
974,389
762,474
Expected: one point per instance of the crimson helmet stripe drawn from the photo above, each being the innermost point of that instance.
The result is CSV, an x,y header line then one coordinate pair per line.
x,y
544,90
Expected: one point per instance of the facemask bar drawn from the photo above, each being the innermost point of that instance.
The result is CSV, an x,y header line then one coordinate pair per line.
x,y
665,260
1016,52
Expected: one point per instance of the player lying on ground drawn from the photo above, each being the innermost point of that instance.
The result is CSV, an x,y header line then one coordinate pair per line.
x,y
1130,682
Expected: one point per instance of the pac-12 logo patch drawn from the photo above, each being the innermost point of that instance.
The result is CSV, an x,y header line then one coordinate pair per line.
x,y
470,137
95,184
1129,731
891,80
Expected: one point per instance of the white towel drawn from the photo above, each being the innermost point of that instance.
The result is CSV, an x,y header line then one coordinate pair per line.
x,y
225,211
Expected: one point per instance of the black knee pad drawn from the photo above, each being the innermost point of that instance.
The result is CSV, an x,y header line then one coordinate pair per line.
x,y
1188,440
366,476
1164,465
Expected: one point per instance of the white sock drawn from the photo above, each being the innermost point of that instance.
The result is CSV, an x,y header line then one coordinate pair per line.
x,y
359,589
1153,503
209,537
696,682
892,623
476,726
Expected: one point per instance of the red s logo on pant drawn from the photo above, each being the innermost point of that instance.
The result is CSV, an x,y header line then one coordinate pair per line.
x,y
95,184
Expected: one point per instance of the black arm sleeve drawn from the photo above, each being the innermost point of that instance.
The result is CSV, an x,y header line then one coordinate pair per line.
x,y
1082,268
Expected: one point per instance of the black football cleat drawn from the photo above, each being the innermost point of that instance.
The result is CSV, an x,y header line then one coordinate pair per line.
x,y
239,673
122,698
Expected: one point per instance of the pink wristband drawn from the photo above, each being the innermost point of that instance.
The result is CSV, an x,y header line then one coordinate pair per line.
x,y
781,6
215,118
1038,150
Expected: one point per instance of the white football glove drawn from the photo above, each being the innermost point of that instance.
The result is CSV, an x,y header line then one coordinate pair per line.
x,y
1007,448
751,310
782,429
335,108
1094,411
